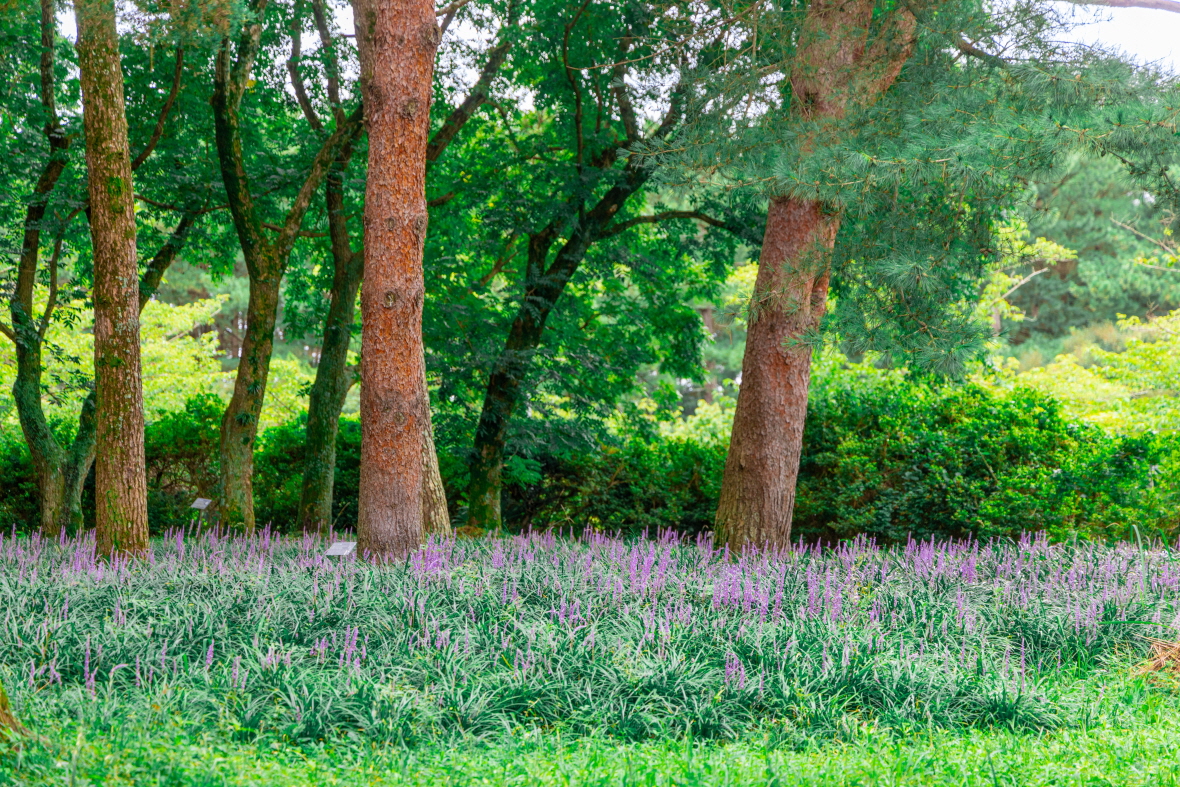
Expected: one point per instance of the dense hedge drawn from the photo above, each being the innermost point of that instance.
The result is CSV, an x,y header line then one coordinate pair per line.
x,y
883,455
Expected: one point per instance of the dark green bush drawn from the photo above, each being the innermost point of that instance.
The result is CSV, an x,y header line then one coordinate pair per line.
x,y
18,487
888,457
895,458
278,474
180,451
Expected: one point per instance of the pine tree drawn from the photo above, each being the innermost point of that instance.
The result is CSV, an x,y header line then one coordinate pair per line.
x,y
887,145
397,40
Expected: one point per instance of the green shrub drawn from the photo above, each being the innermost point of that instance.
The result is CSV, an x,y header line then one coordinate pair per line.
x,y
18,486
889,457
883,455
180,450
278,474
895,458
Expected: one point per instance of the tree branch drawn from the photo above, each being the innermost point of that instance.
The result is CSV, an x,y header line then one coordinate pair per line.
x,y
730,226
319,170
164,257
293,69
572,76
968,48
622,97
462,113
229,82
331,63
159,130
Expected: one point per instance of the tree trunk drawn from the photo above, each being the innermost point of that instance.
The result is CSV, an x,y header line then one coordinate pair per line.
x,y
758,487
332,376
239,425
436,517
120,481
397,42
543,288
843,58
332,379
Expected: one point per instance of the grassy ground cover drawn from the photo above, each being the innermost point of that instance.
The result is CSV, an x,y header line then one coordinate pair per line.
x,y
543,660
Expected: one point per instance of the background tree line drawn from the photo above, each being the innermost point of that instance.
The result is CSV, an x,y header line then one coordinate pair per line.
x,y
601,179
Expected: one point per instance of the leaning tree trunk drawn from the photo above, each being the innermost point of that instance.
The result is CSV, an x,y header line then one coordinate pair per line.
x,y
845,57
397,41
758,487
120,481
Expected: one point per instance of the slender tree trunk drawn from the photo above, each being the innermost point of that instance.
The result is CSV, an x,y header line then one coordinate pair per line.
x,y
397,41
844,57
266,261
120,476
332,377
436,517
47,455
543,289
758,487
239,425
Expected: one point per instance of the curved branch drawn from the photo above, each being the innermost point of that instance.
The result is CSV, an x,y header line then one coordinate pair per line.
x,y
293,69
737,229
462,113
150,282
159,130
331,63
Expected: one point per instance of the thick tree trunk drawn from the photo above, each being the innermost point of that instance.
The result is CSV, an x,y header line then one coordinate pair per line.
x,y
120,482
758,487
844,58
397,42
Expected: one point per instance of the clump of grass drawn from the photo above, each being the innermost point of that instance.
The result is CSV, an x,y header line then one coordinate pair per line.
x,y
263,638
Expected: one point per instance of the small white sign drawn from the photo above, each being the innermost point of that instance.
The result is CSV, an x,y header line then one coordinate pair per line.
x,y
201,503
341,548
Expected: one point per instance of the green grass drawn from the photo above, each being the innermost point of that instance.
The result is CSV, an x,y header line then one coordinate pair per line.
x,y
1148,753
539,660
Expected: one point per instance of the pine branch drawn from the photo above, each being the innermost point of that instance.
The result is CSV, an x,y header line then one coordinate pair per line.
x,y
737,229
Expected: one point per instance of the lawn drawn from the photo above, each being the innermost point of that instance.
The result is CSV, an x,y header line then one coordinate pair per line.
x,y
541,659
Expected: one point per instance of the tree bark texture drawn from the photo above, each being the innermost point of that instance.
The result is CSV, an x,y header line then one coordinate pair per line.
x,y
397,40
48,457
120,480
332,378
837,65
790,293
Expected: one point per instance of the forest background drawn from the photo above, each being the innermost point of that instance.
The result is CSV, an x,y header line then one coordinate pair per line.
x,y
1065,422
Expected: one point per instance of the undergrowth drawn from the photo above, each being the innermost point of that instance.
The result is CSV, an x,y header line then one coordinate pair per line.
x,y
262,638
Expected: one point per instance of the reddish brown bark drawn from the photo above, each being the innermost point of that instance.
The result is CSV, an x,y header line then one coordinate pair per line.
x,y
837,65
397,40
790,293
119,475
